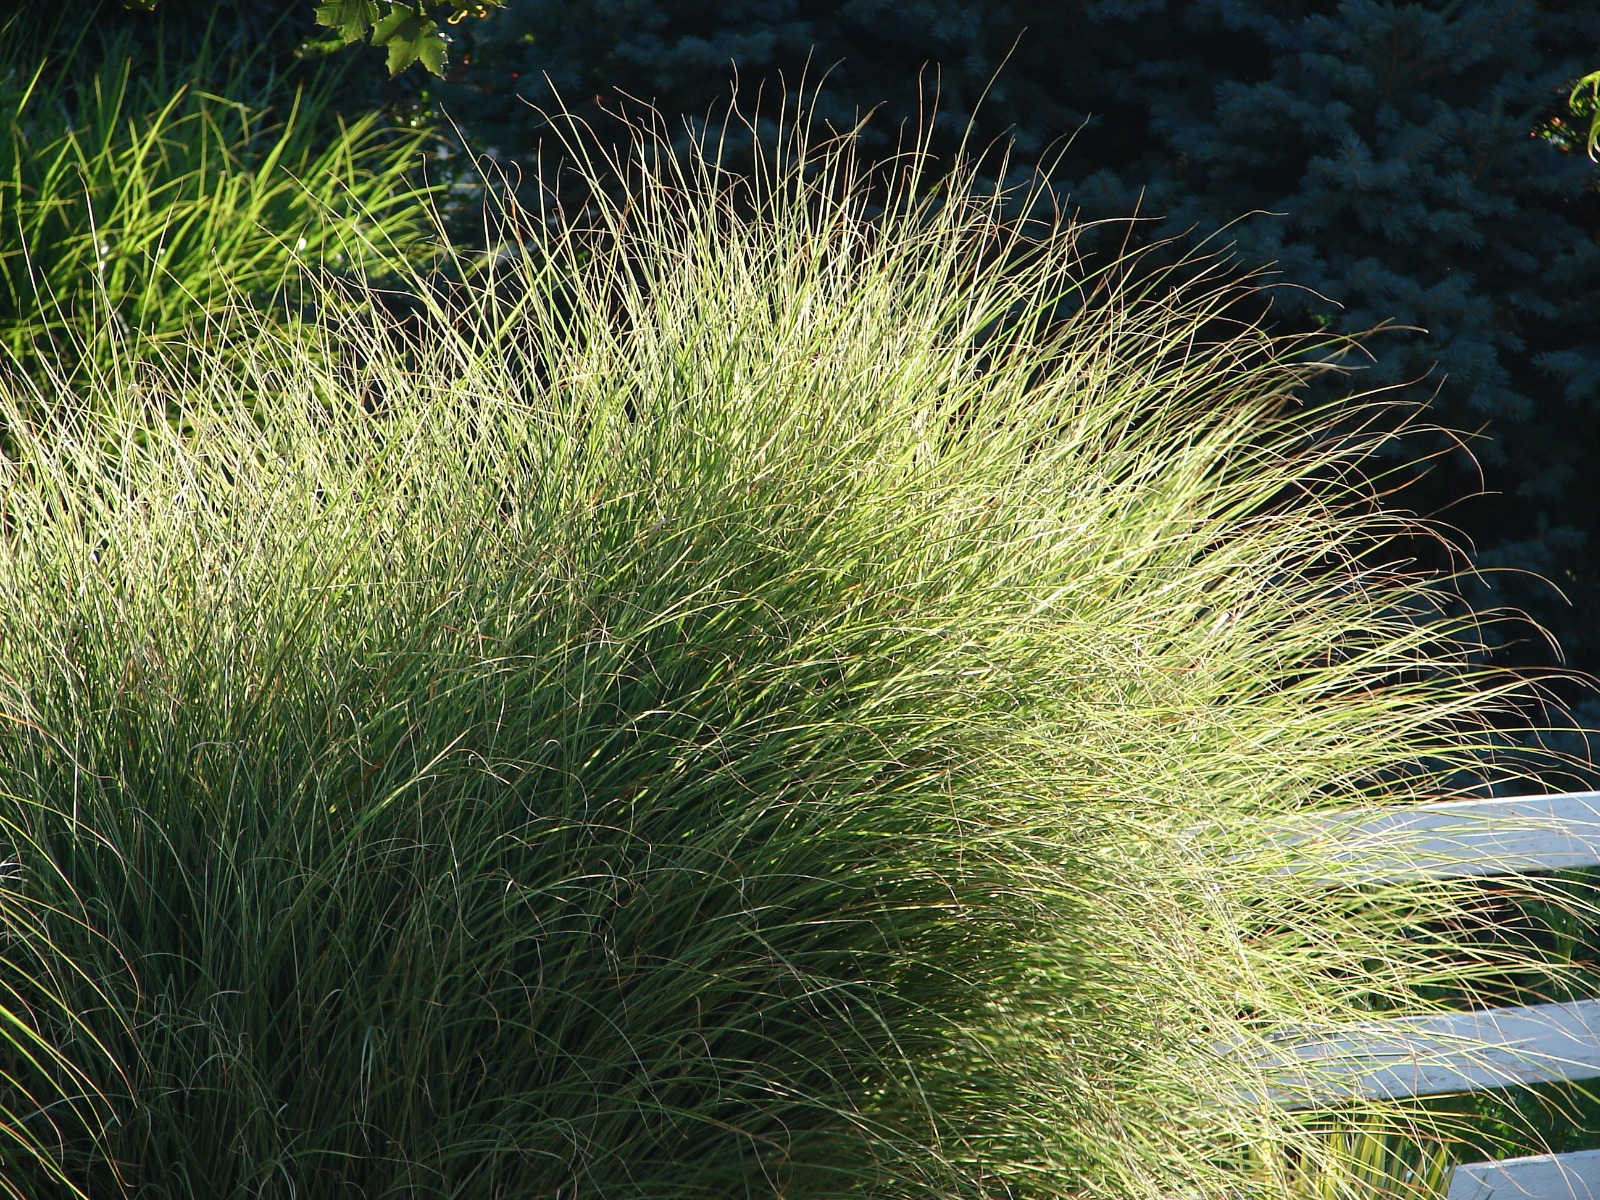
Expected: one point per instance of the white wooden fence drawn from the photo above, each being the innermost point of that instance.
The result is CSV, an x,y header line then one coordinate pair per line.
x,y
1458,1052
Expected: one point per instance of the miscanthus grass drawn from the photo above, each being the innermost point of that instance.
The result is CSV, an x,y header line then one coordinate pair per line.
x,y
780,700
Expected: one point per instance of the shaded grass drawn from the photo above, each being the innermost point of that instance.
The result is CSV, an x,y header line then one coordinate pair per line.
x,y
138,195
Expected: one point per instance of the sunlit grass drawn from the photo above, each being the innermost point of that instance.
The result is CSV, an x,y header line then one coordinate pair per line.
x,y
782,700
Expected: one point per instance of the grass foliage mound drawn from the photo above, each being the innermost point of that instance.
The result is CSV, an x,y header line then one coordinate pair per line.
x,y
781,705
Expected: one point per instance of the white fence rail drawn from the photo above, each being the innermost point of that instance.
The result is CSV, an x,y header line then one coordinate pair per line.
x,y
1457,1052
1460,839
1440,1055
1575,1175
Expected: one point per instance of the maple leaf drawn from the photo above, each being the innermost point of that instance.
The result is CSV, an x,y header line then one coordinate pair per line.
x,y
351,18
410,35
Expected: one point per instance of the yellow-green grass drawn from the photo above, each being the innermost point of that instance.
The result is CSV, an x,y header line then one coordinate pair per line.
x,y
781,700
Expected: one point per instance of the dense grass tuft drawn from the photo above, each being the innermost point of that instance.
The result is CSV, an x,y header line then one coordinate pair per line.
x,y
775,709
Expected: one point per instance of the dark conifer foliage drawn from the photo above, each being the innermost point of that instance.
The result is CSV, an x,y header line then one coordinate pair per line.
x,y
1397,159
1399,143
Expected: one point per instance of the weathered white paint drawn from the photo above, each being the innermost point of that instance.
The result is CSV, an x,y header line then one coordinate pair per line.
x,y
1436,1055
1463,838
1573,1176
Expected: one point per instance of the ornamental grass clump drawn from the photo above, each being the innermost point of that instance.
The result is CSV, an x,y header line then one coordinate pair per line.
x,y
782,701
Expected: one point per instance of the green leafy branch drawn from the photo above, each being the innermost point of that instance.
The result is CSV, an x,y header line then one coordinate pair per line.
x,y
409,32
